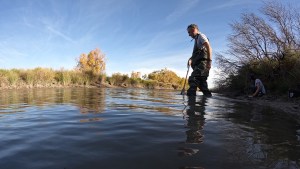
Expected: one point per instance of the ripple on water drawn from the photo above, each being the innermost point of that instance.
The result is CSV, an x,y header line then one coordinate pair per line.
x,y
136,128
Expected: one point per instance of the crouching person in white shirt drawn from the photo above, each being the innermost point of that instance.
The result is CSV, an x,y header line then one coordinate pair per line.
x,y
259,87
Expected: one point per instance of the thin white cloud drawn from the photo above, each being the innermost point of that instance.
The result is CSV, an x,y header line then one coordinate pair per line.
x,y
231,3
182,8
8,53
27,23
60,34
7,50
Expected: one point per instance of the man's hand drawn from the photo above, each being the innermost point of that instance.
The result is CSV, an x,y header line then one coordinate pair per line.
x,y
189,63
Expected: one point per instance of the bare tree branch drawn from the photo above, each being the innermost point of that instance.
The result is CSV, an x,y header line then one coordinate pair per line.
x,y
262,39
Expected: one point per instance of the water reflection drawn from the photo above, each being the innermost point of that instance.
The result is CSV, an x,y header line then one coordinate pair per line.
x,y
191,168
194,116
262,137
91,101
274,141
115,128
87,100
193,113
161,101
195,120
90,120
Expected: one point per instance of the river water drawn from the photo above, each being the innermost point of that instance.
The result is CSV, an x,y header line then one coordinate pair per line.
x,y
81,128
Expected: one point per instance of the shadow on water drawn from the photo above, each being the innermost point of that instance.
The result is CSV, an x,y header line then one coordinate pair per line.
x,y
134,128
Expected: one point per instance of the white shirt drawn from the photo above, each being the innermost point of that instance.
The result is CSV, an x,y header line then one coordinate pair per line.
x,y
261,86
200,40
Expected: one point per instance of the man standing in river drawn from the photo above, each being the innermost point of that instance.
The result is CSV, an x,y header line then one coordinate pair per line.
x,y
200,62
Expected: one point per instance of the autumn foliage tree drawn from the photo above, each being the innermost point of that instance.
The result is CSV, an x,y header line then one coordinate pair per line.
x,y
94,62
165,76
135,75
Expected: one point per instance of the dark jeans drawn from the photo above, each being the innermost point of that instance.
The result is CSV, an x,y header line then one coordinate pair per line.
x,y
198,81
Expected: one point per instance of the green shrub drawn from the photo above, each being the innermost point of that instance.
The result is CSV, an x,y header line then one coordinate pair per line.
x,y
9,77
80,78
119,79
12,77
101,78
135,81
151,84
77,78
3,78
27,76
63,77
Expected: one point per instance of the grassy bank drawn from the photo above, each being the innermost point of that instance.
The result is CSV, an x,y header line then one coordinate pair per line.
x,y
46,77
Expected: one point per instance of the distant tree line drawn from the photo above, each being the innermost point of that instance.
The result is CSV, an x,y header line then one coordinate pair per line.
x,y
265,44
161,79
89,71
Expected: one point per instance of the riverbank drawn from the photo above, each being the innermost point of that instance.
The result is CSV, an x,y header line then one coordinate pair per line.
x,y
45,77
44,86
290,106
92,85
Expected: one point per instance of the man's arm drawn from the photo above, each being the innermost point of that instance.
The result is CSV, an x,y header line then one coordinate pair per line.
x,y
209,54
257,90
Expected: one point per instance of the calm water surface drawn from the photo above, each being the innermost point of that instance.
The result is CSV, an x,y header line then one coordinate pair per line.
x,y
140,129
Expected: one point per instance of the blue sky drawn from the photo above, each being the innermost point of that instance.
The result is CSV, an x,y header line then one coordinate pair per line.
x,y
135,35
